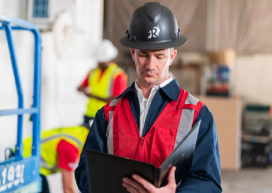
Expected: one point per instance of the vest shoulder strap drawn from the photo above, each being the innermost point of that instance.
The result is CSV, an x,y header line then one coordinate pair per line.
x,y
188,101
109,108
190,109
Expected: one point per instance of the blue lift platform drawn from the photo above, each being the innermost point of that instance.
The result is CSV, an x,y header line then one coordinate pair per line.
x,y
18,174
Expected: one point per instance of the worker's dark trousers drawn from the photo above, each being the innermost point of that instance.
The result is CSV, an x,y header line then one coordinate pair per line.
x,y
45,186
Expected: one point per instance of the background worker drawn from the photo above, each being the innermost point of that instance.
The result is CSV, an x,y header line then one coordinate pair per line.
x,y
103,83
60,150
154,114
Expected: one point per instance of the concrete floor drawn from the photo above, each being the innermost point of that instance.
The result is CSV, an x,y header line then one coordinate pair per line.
x,y
247,181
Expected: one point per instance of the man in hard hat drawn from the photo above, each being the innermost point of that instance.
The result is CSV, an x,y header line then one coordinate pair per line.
x,y
103,83
147,120
60,150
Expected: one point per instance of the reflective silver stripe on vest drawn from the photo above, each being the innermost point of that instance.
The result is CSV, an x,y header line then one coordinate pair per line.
x,y
109,133
186,120
62,135
52,169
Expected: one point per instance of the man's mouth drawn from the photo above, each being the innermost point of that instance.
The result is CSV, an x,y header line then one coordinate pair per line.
x,y
150,73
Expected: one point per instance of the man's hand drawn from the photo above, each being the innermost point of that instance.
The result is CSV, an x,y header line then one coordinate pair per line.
x,y
86,93
90,95
140,185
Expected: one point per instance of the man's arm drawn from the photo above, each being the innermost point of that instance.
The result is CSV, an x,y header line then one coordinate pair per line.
x,y
86,92
68,181
67,157
96,140
84,85
205,173
119,86
81,89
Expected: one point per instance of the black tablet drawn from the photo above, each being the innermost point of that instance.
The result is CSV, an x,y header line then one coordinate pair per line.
x,y
106,172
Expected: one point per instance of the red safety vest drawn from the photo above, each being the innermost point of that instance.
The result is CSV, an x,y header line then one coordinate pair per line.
x,y
172,125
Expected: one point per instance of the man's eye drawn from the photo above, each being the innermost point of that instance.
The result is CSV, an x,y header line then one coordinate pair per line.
x,y
143,55
160,58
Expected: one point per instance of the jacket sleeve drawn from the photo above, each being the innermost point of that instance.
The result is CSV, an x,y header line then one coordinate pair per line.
x,y
205,173
96,140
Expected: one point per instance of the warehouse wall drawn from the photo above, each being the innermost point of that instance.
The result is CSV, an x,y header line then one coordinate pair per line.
x,y
251,74
61,104
253,78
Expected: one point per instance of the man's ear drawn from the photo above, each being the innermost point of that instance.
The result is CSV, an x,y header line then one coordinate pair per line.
x,y
173,55
132,51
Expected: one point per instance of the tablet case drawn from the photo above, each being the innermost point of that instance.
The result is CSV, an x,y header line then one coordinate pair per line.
x,y
106,172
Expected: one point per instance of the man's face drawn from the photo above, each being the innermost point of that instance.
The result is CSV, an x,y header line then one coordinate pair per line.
x,y
152,65
104,65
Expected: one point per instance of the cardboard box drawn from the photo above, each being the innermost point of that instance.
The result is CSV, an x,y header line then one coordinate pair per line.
x,y
224,57
227,116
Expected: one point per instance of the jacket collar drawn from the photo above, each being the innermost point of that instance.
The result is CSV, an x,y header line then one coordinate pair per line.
x,y
172,90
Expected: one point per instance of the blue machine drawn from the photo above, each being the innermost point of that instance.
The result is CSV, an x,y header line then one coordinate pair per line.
x,y
20,174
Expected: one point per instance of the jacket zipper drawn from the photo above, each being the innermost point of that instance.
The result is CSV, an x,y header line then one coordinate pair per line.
x,y
141,147
141,138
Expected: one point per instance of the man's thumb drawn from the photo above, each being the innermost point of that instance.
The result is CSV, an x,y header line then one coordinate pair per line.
x,y
171,177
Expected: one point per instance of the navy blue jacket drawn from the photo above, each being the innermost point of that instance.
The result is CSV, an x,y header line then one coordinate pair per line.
x,y
204,176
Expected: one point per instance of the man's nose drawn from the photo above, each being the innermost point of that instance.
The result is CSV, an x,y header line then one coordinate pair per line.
x,y
150,62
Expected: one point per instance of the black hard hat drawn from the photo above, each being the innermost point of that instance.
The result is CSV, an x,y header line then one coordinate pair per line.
x,y
153,27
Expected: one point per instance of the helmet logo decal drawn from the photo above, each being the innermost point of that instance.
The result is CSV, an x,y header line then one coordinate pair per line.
x,y
155,32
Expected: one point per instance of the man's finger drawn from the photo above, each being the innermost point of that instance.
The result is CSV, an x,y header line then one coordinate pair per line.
x,y
171,177
147,186
130,188
135,185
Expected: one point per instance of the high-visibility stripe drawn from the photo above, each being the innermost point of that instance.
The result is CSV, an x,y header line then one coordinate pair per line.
x,y
52,169
78,142
109,134
191,100
186,119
